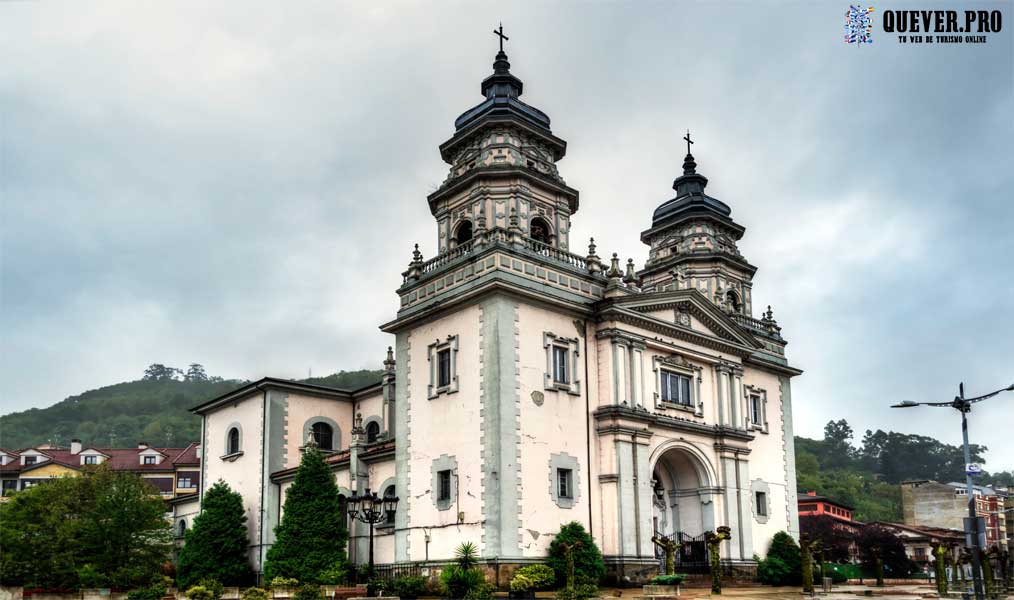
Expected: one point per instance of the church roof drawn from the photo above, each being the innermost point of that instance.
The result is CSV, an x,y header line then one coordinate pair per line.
x,y
502,90
690,198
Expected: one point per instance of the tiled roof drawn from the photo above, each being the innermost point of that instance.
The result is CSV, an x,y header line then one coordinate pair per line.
x,y
118,459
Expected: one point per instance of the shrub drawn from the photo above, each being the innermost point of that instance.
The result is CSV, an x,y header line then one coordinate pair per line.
x,y
578,592
308,591
410,586
154,591
284,582
522,583
254,593
199,592
667,579
588,564
786,568
773,571
457,582
482,591
213,586
337,574
541,577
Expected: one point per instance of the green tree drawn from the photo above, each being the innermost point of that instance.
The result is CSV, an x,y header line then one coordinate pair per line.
x,y
880,549
103,529
215,546
311,537
195,372
589,566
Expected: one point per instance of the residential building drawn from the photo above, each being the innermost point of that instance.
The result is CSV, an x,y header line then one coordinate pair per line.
x,y
945,505
919,541
171,471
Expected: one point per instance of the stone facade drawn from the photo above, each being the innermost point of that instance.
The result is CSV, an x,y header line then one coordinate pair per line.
x,y
529,386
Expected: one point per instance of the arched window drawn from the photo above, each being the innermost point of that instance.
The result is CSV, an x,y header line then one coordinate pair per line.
x,y
323,435
389,493
183,527
733,301
464,232
232,446
539,230
372,432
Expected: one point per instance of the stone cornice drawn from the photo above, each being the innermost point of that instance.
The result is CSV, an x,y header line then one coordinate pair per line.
x,y
499,171
672,330
488,283
620,414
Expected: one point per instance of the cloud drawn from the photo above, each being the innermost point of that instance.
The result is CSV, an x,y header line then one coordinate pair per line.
x,y
240,184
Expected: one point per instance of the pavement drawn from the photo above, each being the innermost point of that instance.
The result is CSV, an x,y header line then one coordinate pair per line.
x,y
838,592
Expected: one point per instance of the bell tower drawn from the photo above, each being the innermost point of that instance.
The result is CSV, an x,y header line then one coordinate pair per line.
x,y
693,245
503,173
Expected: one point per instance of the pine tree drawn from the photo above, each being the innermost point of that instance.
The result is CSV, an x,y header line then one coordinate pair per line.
x,y
311,537
216,545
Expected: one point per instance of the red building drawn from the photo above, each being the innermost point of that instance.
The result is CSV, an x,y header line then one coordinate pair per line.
x,y
812,505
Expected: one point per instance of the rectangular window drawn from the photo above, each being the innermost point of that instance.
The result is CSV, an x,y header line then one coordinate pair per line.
x,y
560,374
30,460
564,483
755,409
444,368
91,460
184,482
676,388
444,493
149,460
762,504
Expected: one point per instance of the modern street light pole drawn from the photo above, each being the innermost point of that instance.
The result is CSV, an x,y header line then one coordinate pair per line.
x,y
964,406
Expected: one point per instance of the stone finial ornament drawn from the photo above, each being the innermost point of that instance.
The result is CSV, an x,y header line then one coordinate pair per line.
x,y
630,278
593,262
614,268
389,361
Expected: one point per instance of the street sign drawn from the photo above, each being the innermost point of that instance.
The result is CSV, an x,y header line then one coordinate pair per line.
x,y
973,469
980,529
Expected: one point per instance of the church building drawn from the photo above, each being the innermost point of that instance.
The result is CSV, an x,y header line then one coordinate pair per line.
x,y
529,385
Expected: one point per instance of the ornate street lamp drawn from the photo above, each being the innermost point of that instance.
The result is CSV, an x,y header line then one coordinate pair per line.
x,y
370,508
964,406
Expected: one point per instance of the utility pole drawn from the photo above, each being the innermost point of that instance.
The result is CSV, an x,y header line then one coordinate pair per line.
x,y
964,406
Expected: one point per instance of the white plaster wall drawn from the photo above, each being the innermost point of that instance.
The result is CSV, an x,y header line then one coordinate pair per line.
x,y
243,474
302,408
767,461
448,424
372,406
558,426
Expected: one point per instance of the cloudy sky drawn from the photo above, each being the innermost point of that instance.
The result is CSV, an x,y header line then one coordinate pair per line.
x,y
241,184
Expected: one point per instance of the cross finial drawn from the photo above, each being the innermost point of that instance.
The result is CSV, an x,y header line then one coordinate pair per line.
x,y
687,138
499,33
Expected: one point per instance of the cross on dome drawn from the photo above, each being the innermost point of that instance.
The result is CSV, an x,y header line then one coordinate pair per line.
x,y
499,33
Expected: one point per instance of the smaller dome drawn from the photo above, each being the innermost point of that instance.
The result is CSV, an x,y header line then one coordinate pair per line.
x,y
690,197
502,90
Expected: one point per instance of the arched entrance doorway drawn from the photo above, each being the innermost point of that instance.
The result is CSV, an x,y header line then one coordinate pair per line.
x,y
683,493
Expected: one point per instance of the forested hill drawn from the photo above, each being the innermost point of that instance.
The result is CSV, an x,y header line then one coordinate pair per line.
x,y
153,409
866,475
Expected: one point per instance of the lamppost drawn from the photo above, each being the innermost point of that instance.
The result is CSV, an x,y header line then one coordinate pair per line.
x,y
964,406
372,509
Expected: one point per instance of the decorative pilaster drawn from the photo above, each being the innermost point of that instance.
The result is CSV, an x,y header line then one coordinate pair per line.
x,y
388,382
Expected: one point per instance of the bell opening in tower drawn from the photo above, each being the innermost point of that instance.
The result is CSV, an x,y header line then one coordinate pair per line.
x,y
539,230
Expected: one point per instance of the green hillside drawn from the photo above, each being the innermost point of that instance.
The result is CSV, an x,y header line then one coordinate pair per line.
x,y
154,409
866,476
